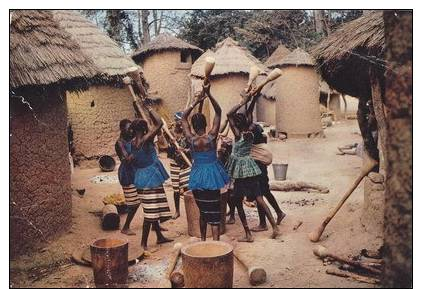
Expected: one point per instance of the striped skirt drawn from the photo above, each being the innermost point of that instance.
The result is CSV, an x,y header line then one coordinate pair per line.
x,y
179,177
132,197
155,205
209,206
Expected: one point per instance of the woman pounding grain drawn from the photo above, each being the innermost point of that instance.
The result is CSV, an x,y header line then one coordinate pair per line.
x,y
149,177
244,170
207,174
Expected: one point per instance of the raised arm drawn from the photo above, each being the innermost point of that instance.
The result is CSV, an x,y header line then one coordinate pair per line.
x,y
217,109
231,114
156,122
185,123
250,109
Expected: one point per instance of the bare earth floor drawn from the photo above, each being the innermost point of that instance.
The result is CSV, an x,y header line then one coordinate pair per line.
x,y
289,261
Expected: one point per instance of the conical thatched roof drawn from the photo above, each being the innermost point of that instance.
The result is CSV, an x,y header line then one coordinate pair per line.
x,y
107,56
164,41
345,57
298,57
197,68
42,53
229,58
277,56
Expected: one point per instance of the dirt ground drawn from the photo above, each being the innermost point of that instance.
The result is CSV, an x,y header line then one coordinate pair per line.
x,y
288,260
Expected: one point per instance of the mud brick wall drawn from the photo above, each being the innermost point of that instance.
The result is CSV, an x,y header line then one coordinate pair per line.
x,y
265,110
95,115
40,185
373,205
168,78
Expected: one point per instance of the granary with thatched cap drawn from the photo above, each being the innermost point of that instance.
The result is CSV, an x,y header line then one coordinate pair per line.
x,y
230,74
166,62
297,95
277,56
44,62
95,114
265,107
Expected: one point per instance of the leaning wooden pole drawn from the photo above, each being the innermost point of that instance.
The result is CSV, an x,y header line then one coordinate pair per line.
x,y
134,75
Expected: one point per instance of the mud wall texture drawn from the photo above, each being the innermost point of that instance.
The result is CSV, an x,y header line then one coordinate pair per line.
x,y
297,104
95,115
265,110
399,166
40,186
168,78
373,205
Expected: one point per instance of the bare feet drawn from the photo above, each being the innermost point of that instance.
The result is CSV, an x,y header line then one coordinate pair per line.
x,y
280,217
162,229
246,239
128,232
164,240
231,221
259,228
176,216
275,233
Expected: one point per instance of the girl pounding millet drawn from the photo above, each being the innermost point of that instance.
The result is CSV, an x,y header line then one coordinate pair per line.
x,y
150,175
244,170
179,169
207,174
126,174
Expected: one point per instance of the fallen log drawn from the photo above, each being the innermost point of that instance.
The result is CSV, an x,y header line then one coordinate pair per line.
x,y
353,276
290,186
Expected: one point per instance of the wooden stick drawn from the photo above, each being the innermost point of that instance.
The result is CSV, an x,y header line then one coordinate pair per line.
x,y
316,234
353,276
166,283
323,252
209,66
166,130
257,275
276,73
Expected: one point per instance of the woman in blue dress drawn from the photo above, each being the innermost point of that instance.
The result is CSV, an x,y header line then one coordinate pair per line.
x,y
149,177
207,175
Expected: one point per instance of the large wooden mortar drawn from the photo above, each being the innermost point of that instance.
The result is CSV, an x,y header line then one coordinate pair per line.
x,y
110,263
208,265
192,215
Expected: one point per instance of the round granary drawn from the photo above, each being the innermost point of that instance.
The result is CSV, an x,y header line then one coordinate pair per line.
x,y
297,104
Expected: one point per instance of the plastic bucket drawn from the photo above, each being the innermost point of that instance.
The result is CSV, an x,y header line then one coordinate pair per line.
x,y
280,171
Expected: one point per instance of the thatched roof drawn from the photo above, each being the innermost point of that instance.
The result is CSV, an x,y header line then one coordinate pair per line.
x,y
297,57
106,54
162,42
345,57
277,56
230,58
42,53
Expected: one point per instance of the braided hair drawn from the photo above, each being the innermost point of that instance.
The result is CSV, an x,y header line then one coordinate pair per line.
x,y
199,122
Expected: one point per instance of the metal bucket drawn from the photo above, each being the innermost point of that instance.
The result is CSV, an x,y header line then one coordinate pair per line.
x,y
280,171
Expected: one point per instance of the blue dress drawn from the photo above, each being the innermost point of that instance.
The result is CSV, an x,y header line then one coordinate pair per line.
x,y
149,172
207,172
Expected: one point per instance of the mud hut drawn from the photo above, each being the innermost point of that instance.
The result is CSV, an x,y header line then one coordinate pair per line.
x,y
230,74
352,60
297,101
265,107
166,62
44,63
94,114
